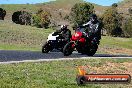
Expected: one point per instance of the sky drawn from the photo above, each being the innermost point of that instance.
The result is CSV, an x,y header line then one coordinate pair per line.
x,y
23,1
104,2
100,2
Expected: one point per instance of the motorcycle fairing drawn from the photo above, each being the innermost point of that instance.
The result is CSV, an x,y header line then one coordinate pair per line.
x,y
51,37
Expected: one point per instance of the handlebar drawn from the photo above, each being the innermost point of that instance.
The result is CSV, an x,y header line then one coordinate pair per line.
x,y
85,34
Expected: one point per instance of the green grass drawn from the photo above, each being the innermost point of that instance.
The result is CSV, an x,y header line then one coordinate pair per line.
x,y
19,47
53,74
18,7
20,37
116,42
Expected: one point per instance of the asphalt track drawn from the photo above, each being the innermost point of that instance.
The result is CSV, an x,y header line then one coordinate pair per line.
x,y
23,56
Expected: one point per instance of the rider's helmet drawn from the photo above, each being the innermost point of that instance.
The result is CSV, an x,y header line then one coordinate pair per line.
x,y
63,27
93,18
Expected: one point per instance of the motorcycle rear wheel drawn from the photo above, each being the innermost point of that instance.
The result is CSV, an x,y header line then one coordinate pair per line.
x,y
92,51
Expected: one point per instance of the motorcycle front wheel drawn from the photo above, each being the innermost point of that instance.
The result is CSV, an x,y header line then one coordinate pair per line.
x,y
68,49
46,48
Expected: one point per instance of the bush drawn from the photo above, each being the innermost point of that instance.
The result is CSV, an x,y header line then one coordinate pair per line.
x,y
66,17
36,21
112,21
130,10
127,28
117,32
2,14
25,18
80,13
21,17
41,19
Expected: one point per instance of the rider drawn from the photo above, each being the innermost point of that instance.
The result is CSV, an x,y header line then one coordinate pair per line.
x,y
94,27
66,33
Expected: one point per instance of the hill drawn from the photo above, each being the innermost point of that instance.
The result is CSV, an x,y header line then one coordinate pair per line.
x,y
21,37
11,8
59,9
124,5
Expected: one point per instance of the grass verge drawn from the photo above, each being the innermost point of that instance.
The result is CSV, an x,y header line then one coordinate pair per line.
x,y
60,74
116,42
116,45
20,37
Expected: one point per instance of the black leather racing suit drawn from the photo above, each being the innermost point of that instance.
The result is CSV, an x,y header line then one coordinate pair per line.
x,y
66,34
93,29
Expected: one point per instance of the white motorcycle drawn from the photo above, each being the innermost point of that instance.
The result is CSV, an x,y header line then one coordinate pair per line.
x,y
54,41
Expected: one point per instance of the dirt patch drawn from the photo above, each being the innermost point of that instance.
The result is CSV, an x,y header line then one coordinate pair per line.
x,y
116,51
111,68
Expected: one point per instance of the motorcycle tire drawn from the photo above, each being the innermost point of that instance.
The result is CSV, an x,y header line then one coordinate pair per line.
x,y
46,48
81,51
67,50
92,51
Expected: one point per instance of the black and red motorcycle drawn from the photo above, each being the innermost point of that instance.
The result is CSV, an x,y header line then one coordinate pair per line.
x,y
81,42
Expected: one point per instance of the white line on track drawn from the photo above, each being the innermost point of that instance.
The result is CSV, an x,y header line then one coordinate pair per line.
x,y
60,59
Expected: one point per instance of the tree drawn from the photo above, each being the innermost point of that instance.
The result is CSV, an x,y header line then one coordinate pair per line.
x,y
112,21
41,19
114,5
80,13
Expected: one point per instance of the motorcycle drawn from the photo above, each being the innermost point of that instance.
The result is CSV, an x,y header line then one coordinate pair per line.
x,y
81,42
54,41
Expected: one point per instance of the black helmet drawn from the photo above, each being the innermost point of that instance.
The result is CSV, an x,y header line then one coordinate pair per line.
x,y
93,18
